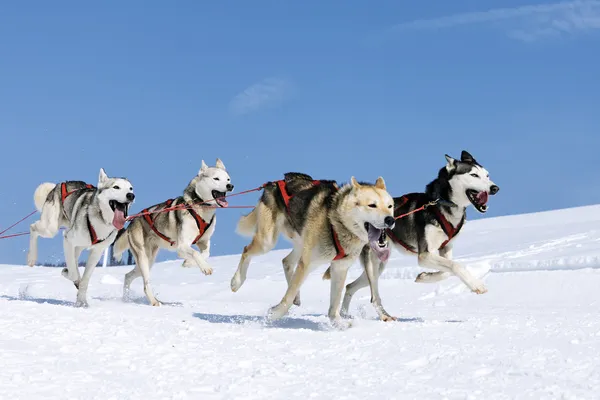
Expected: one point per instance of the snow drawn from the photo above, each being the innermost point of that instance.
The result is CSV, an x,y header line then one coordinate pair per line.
x,y
534,335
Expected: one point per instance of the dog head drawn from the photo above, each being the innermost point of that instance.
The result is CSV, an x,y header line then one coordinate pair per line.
x,y
372,207
117,193
213,183
470,182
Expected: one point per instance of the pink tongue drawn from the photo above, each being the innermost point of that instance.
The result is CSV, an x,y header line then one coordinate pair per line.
x,y
222,202
482,198
119,219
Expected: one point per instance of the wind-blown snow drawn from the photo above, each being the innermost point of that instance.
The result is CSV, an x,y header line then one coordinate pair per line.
x,y
534,335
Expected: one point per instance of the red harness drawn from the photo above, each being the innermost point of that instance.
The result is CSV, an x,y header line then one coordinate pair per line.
x,y
340,253
200,223
447,227
63,196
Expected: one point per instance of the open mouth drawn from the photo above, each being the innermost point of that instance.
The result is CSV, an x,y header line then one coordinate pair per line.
x,y
478,199
220,198
377,242
120,213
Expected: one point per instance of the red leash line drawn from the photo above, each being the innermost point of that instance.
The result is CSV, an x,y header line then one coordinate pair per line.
x,y
177,207
17,223
184,206
424,206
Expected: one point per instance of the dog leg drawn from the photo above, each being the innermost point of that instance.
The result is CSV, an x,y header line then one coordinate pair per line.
x,y
189,253
46,227
373,269
130,277
289,263
435,261
92,261
144,266
339,271
204,248
300,274
431,277
72,253
257,247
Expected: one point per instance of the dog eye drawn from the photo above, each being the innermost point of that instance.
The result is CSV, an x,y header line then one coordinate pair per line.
x,y
475,175
116,187
390,206
216,179
373,205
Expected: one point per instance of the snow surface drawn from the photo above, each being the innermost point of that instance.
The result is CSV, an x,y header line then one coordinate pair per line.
x,y
534,335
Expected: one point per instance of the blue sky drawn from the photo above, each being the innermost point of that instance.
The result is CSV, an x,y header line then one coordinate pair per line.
x,y
147,89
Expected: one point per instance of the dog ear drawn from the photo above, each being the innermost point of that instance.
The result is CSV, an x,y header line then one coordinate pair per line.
x,y
102,177
220,164
354,183
465,156
380,183
203,168
451,166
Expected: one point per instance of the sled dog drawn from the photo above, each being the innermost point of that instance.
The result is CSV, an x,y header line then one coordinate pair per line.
x,y
325,225
429,234
92,217
190,220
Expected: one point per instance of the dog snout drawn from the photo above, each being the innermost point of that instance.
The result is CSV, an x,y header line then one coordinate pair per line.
x,y
389,222
229,187
494,189
130,196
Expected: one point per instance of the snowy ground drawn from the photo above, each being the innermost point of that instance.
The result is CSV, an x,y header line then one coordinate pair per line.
x,y
534,335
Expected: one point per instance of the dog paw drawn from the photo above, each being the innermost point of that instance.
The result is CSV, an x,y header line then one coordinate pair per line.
x,y
479,288
206,270
31,259
155,303
277,312
388,318
236,282
297,301
81,304
340,324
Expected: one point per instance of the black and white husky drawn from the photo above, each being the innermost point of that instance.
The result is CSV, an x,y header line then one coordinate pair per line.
x,y
92,217
429,233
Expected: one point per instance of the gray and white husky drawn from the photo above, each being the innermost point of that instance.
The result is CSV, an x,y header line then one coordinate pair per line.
x,y
92,217
429,234
189,220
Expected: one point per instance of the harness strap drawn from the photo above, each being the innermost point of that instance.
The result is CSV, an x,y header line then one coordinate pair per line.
x,y
150,222
397,240
284,193
64,194
447,227
93,235
201,223
338,246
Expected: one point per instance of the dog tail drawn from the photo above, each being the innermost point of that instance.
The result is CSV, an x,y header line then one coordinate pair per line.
x,y
247,224
41,194
327,274
121,244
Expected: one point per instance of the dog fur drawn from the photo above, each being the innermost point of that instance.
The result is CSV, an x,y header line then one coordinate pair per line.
x,y
103,208
208,188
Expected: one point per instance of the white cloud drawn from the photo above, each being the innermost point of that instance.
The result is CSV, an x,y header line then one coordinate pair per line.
x,y
268,92
526,23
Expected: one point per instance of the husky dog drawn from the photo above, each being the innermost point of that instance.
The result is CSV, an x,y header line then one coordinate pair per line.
x,y
326,225
272,217
92,218
429,233
190,220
